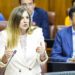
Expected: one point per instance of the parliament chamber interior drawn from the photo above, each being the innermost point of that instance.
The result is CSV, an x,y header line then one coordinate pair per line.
x,y
57,11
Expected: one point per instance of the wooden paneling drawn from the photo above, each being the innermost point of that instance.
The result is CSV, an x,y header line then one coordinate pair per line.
x,y
42,3
59,6
6,7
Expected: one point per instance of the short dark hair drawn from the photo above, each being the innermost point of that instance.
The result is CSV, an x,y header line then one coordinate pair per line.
x,y
72,10
20,1
73,2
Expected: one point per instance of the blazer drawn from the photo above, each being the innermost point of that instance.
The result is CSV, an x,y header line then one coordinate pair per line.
x,y
40,17
63,45
24,59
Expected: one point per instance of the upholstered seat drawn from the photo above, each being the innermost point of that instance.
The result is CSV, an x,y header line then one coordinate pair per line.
x,y
51,16
3,25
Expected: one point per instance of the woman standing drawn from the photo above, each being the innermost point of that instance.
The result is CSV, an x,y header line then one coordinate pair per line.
x,y
27,40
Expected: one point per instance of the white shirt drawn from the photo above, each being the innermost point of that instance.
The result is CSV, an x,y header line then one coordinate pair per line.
x,y
73,38
32,16
23,41
22,61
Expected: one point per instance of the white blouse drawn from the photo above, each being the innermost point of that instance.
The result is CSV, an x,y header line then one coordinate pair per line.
x,y
26,61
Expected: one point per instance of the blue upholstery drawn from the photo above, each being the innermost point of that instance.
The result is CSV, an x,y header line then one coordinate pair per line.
x,y
1,17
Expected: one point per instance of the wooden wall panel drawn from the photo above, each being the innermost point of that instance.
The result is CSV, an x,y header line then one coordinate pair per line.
x,y
6,7
60,11
58,6
42,3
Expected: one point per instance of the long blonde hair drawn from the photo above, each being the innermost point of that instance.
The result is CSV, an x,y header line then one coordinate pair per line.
x,y
13,30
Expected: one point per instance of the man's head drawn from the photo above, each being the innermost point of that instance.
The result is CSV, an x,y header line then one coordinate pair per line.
x,y
72,15
20,1
73,3
29,3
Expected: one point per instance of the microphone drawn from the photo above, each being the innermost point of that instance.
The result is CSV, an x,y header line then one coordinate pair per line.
x,y
13,53
9,61
11,57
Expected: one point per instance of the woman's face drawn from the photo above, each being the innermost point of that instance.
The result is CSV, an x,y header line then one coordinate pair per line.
x,y
24,23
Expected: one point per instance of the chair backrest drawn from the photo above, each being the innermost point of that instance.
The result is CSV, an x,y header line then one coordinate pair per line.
x,y
51,16
3,25
54,30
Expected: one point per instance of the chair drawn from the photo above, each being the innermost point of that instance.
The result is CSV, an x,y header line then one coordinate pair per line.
x,y
56,28
3,25
51,17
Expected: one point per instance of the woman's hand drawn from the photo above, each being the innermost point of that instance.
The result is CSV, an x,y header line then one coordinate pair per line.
x,y
6,56
41,51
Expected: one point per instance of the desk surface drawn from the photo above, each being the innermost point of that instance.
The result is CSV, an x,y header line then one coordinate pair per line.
x,y
61,62
61,73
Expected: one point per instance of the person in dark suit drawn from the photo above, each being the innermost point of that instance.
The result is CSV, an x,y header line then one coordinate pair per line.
x,y
67,19
64,46
39,16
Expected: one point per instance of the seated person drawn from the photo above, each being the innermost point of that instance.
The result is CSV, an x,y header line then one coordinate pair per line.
x,y
63,49
67,19
1,17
